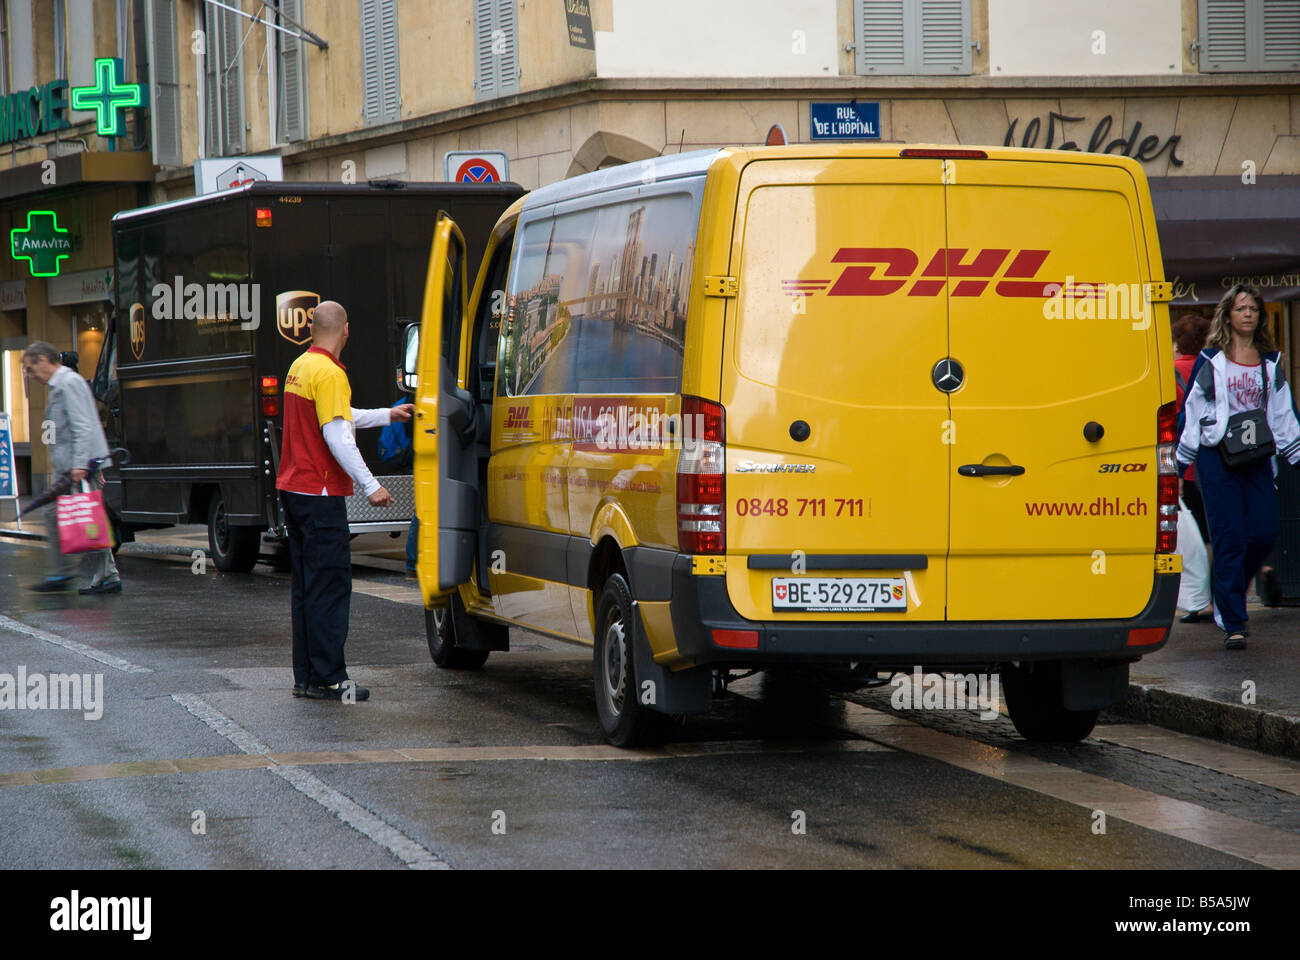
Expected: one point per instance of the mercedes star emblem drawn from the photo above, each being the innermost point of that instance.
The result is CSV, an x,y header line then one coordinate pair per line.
x,y
948,375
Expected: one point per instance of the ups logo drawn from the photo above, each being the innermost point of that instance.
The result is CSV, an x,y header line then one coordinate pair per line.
x,y
293,313
136,330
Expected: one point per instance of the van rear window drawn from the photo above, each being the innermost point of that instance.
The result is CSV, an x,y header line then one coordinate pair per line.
x,y
598,300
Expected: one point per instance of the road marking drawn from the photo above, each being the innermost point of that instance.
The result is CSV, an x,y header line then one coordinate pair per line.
x,y
397,592
1234,836
257,756
99,656
357,817
1275,772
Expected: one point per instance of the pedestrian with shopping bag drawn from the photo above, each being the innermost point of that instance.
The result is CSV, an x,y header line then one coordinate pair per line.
x,y
71,429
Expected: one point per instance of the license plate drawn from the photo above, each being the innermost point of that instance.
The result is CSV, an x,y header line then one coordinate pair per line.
x,y
839,594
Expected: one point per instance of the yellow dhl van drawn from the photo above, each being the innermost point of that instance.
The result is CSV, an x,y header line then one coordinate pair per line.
x,y
858,408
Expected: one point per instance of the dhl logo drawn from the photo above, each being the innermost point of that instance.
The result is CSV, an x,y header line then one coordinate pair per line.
x,y
881,271
518,418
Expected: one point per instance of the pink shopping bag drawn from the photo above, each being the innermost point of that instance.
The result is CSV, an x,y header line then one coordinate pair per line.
x,y
83,523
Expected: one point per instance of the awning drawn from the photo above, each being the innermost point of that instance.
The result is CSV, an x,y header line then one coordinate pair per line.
x,y
1218,231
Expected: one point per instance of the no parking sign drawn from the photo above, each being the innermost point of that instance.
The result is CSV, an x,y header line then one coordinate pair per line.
x,y
476,166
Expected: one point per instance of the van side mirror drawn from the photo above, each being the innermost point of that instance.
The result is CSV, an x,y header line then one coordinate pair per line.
x,y
408,377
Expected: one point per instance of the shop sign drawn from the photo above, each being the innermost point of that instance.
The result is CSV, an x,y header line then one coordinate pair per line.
x,y
578,15
108,96
27,113
42,243
1145,150
84,286
13,295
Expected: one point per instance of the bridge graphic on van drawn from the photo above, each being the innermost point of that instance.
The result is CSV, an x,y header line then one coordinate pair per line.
x,y
971,273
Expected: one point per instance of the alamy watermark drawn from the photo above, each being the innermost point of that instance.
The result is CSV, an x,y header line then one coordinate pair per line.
x,y
55,691
946,691
210,304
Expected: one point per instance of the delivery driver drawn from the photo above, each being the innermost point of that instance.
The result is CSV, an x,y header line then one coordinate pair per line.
x,y
319,461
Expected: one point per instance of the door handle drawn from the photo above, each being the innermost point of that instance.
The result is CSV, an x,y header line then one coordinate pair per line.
x,y
979,470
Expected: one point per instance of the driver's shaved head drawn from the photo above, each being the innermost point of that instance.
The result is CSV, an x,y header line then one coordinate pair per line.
x,y
327,320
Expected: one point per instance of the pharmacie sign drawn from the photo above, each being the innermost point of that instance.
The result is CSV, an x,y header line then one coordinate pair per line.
x,y
28,113
44,109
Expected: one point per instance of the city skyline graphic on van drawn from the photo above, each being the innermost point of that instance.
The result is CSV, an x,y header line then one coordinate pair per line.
x,y
599,300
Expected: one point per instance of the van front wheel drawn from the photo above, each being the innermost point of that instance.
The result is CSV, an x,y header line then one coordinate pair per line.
x,y
623,718
1035,701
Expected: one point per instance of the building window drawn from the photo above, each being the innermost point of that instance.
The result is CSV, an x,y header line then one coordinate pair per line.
x,y
292,74
60,39
4,46
496,48
1249,35
381,90
224,96
164,88
912,37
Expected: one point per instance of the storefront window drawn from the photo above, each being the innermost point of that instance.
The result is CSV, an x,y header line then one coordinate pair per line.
x,y
14,393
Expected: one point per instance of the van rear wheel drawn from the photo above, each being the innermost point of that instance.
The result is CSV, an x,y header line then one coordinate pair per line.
x,y
1035,701
441,627
623,718
234,549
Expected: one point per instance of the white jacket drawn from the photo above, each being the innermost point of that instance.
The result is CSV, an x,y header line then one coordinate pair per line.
x,y
1204,416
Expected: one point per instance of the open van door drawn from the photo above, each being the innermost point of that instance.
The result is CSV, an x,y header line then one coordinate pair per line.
x,y
446,492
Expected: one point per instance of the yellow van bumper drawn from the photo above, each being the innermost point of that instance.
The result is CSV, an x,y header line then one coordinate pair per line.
x,y
709,630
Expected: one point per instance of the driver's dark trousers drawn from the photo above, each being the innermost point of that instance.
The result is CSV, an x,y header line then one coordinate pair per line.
x,y
321,559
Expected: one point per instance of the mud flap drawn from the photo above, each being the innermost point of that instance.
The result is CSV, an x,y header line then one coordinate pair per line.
x,y
1092,685
685,691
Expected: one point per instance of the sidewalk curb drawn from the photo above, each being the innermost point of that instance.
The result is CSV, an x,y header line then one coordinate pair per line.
x,y
1233,723
22,535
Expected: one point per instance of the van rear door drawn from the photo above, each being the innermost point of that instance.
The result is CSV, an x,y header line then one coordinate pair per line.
x,y
1072,536
824,340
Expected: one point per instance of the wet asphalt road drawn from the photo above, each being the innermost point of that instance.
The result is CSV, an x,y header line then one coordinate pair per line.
x,y
506,767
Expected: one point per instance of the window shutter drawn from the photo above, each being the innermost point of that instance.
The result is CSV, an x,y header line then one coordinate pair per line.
x,y
293,86
372,67
943,37
1240,36
1223,35
507,67
232,90
485,76
391,86
212,82
164,91
880,40
1281,46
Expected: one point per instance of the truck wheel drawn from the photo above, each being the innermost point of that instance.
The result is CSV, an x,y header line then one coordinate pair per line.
x,y
441,627
234,549
1036,704
623,718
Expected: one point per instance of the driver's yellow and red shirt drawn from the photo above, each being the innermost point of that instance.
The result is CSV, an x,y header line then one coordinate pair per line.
x,y
316,391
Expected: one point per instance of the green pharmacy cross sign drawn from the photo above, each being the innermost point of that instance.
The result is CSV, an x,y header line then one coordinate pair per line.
x,y
108,97
42,243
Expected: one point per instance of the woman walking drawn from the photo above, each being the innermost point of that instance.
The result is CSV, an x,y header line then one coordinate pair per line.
x,y
1190,331
1237,415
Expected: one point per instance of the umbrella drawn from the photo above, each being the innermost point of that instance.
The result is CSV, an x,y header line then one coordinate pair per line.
x,y
64,482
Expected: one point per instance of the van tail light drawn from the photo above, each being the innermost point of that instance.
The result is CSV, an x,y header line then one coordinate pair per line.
x,y
701,478
270,396
1167,478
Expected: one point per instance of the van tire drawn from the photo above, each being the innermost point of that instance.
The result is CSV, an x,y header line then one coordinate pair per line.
x,y
1036,703
625,721
233,548
441,626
